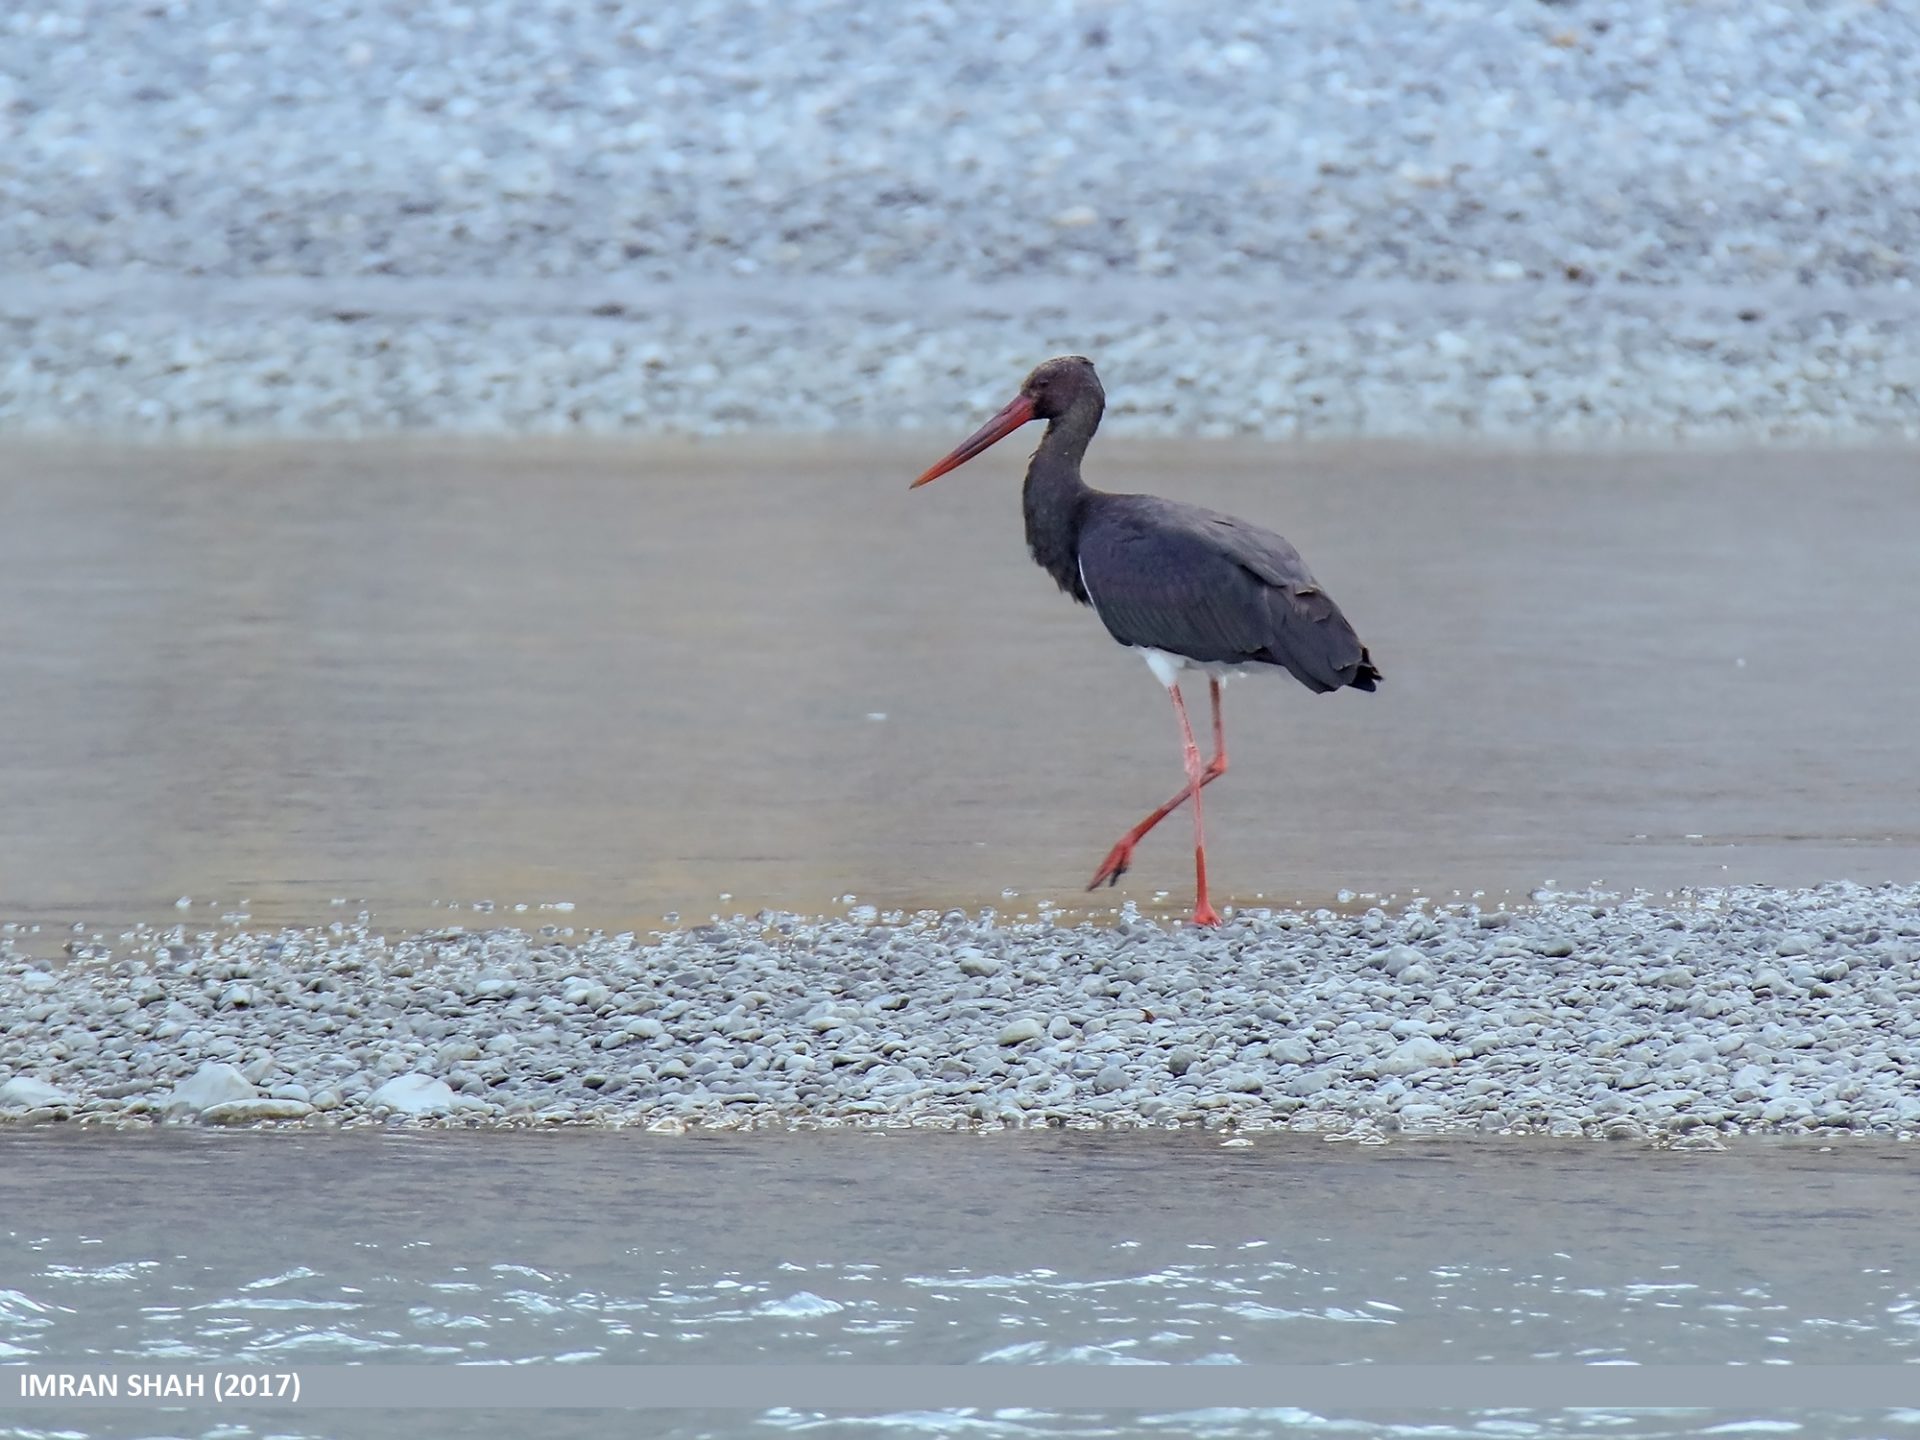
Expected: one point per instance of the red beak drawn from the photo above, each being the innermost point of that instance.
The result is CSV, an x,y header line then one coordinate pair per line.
x,y
1018,413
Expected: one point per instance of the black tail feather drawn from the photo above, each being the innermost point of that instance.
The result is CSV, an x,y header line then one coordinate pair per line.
x,y
1368,675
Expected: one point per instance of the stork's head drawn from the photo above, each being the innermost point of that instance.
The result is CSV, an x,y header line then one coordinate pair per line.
x,y
1055,387
1056,384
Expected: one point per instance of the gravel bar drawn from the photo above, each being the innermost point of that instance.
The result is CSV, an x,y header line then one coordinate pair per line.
x,y
1589,219
1681,1020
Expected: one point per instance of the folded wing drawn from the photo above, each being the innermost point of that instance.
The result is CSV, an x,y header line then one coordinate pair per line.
x,y
1215,589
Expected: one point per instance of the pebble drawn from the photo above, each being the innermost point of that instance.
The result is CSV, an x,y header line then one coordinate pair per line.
x,y
23,1092
1410,1057
1293,1050
414,1094
789,1021
974,961
250,1112
214,1083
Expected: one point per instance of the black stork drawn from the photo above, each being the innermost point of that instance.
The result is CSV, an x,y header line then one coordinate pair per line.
x,y
1188,588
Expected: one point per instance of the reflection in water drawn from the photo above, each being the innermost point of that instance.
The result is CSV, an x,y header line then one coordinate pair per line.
x,y
638,678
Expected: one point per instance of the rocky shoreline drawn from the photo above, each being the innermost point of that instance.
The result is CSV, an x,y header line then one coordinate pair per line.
x,y
1685,1019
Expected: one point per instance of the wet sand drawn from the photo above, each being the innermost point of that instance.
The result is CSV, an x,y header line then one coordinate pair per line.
x,y
636,678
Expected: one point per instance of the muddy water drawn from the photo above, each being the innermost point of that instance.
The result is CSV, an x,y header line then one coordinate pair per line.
x,y
636,679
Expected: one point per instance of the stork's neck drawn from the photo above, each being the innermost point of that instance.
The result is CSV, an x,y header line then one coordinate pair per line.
x,y
1054,496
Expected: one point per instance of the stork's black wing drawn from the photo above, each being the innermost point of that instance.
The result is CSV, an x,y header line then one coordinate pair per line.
x,y
1215,589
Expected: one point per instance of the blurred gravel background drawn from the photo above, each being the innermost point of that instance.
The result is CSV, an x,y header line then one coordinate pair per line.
x,y
1590,219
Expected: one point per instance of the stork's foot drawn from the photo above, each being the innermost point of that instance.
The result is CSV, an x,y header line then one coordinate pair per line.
x,y
1114,866
1205,914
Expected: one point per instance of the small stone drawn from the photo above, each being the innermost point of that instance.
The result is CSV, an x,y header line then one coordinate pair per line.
x,y
1020,1031
414,1094
1180,1060
585,993
1310,1082
214,1083
23,1092
975,961
1697,1140
1110,1079
248,1112
1409,1057
1397,958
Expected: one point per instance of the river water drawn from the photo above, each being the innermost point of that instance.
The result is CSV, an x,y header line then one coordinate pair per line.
x,y
288,683
299,1249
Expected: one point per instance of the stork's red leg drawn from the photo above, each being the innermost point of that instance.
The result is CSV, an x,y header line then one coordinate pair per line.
x,y
1203,911
1121,856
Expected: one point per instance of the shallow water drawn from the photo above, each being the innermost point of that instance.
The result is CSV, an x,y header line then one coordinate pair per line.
x,y
702,678
291,1249
938,1249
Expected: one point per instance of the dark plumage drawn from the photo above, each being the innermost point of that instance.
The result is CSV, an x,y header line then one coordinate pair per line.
x,y
1186,585
1215,590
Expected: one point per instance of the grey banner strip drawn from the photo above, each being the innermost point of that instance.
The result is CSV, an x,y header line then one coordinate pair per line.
x,y
887,1388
